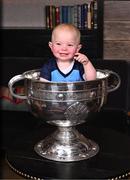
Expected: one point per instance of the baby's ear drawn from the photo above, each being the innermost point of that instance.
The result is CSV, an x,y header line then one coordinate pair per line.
x,y
79,47
50,44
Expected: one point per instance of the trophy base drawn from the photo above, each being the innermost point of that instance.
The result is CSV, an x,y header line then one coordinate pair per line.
x,y
66,144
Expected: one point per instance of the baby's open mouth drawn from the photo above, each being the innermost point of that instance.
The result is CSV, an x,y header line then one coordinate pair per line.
x,y
63,54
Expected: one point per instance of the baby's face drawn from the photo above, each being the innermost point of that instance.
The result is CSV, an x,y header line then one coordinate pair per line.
x,y
64,44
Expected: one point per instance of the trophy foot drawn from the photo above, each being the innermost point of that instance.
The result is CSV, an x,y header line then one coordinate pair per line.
x,y
66,145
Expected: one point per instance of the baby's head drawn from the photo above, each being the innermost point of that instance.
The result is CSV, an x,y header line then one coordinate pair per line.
x,y
65,42
64,30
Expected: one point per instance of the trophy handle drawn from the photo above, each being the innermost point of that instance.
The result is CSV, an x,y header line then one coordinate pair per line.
x,y
114,81
12,82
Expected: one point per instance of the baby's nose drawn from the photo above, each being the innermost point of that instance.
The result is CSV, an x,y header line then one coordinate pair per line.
x,y
64,47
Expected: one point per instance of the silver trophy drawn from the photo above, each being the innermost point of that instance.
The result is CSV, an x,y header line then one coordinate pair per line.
x,y
65,105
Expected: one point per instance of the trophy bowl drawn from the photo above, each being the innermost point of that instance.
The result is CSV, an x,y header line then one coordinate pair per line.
x,y
65,105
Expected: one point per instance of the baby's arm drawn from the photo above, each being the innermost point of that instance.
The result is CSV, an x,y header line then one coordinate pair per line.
x,y
43,79
89,70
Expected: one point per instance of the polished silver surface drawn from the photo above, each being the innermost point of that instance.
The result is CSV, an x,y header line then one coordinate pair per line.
x,y
66,144
65,105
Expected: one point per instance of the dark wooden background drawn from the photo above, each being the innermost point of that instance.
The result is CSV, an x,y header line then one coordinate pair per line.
x,y
117,29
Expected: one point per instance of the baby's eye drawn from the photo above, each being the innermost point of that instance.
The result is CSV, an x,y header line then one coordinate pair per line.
x,y
70,44
58,44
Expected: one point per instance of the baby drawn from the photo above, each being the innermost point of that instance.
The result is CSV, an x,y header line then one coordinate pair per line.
x,y
68,64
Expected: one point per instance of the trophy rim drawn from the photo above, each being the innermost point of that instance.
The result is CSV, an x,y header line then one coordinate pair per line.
x,y
105,74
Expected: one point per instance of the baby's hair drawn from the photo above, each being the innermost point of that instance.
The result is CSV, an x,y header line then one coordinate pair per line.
x,y
68,27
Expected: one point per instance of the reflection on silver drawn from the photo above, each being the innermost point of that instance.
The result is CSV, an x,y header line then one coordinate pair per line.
x,y
65,105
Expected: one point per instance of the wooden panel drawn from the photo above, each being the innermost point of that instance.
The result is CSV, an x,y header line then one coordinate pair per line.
x,y
117,30
117,50
117,10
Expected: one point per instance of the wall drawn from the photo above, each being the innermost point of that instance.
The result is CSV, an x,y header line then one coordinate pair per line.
x,y
28,13
116,29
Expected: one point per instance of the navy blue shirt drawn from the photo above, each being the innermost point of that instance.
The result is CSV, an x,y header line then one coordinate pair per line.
x,y
51,72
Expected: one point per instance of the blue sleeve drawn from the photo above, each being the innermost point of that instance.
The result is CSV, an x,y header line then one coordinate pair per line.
x,y
81,70
46,72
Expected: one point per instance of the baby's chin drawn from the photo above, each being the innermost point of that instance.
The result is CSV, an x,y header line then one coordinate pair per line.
x,y
65,58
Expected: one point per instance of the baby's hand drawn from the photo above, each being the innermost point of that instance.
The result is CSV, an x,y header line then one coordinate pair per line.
x,y
81,58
